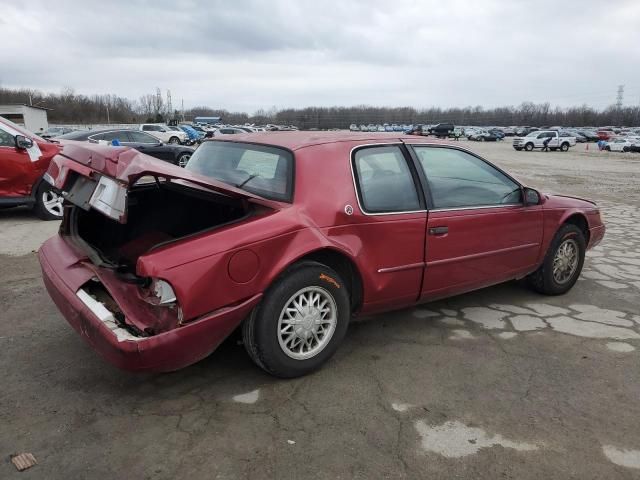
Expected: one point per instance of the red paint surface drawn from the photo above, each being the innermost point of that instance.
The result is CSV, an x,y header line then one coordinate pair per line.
x,y
18,173
212,273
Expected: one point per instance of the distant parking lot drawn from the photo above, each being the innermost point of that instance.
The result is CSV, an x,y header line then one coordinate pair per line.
x,y
499,383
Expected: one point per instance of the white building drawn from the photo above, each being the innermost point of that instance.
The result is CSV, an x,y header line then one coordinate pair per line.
x,y
32,118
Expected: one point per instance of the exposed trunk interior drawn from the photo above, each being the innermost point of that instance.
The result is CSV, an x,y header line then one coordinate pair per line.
x,y
156,213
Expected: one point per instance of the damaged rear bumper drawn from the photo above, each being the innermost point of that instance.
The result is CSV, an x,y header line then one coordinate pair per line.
x,y
63,274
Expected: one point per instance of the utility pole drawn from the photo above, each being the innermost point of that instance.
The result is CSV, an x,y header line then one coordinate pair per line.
x,y
620,97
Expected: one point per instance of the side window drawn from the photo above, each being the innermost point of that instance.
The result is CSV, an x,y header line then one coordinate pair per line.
x,y
6,139
384,181
542,135
458,179
139,137
147,128
118,135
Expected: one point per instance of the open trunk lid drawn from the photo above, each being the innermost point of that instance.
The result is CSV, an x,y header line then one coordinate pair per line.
x,y
109,171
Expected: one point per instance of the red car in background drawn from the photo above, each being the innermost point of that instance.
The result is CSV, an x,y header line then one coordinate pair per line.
x,y
605,134
288,235
24,159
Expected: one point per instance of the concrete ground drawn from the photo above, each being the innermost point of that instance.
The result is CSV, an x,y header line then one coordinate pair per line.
x,y
500,383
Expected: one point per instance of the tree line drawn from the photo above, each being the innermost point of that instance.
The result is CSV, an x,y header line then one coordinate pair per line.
x,y
68,107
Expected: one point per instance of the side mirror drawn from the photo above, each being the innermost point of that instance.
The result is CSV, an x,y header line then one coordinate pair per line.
x,y
531,196
22,142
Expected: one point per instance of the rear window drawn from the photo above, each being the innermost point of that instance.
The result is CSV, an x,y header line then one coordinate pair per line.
x,y
259,169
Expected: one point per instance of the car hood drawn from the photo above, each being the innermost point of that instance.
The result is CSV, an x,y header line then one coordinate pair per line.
x,y
565,201
128,165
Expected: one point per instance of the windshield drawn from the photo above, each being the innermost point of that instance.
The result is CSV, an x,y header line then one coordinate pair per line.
x,y
259,169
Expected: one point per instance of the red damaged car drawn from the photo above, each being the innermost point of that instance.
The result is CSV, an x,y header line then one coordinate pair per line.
x,y
288,235
24,158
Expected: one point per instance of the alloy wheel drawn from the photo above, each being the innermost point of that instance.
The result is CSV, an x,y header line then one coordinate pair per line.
x,y
565,261
52,202
307,323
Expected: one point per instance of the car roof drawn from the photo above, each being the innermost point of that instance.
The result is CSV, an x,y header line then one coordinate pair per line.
x,y
298,140
84,134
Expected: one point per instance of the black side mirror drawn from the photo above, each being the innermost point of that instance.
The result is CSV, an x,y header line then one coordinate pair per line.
x,y
531,196
23,142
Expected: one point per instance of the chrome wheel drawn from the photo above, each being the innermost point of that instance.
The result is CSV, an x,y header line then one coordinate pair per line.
x,y
307,323
52,202
565,261
174,140
183,159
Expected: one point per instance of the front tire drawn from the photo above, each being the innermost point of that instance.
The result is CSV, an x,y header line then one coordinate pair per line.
x,y
48,203
300,323
528,147
562,263
174,141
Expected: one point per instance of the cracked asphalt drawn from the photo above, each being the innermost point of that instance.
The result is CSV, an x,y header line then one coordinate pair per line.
x,y
499,383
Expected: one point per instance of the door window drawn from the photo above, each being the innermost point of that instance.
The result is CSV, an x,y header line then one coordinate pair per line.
x,y
140,137
384,181
110,136
459,179
6,139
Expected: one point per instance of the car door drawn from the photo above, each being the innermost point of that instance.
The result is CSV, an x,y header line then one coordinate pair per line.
x,y
392,225
150,145
15,167
479,232
538,142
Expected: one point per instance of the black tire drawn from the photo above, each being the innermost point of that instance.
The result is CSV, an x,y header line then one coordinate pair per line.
x,y
528,147
174,141
183,159
260,330
481,139
44,191
564,147
607,148
543,280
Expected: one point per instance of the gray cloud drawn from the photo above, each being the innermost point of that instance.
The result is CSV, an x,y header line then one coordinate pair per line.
x,y
246,55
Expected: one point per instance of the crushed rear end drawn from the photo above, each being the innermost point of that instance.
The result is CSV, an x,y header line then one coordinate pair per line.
x,y
125,210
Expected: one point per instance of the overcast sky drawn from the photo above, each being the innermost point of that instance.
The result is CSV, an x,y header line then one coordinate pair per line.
x,y
244,55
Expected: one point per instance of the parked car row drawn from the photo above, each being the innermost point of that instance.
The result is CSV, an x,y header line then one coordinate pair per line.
x,y
623,144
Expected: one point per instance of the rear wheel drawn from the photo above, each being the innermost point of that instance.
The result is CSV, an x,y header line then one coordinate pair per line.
x,y
564,147
562,263
528,147
48,203
300,322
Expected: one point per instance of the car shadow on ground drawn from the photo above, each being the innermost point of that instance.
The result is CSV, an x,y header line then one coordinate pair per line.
x,y
229,371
